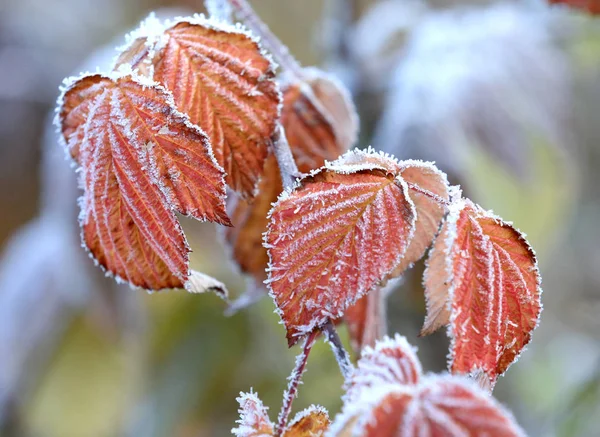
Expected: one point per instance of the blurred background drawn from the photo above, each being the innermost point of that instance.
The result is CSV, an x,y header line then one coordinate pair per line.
x,y
505,97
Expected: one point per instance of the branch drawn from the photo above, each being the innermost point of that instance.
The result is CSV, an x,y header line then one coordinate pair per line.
x,y
341,355
279,51
443,202
295,378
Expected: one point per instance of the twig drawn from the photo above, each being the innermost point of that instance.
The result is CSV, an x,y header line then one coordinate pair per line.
x,y
295,379
285,159
339,351
279,51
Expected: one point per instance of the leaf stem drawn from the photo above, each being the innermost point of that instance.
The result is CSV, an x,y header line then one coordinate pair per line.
x,y
295,378
285,159
279,51
341,355
432,196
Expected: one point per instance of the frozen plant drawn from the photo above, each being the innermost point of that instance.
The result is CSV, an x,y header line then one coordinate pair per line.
x,y
193,119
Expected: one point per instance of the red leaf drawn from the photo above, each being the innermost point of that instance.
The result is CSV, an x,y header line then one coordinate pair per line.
x,y
222,79
590,6
438,407
254,420
312,422
334,238
487,273
140,160
429,191
391,361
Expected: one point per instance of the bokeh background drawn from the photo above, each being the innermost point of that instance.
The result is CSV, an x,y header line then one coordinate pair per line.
x,y
505,97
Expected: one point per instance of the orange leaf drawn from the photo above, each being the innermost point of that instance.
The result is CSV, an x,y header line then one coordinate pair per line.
x,y
486,272
223,80
140,161
254,420
439,407
590,6
334,238
312,422
320,124
391,361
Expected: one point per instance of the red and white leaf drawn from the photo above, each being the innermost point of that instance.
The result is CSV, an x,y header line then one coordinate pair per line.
x,y
140,161
592,7
311,422
438,407
429,191
223,80
254,420
486,272
333,239
391,361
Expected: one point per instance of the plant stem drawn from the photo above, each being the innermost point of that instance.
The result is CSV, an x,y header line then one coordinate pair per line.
x,y
341,355
285,159
295,378
267,38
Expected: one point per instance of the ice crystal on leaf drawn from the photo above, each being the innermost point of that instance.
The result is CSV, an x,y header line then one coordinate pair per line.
x,y
254,420
333,239
482,280
388,397
219,76
140,161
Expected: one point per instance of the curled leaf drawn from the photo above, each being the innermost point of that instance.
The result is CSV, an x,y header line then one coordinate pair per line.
x,y
223,80
254,420
333,239
140,161
486,273
311,422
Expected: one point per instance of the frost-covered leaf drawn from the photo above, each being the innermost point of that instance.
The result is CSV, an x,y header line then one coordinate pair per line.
x,y
590,6
222,79
320,124
254,420
312,422
140,161
486,273
199,282
429,191
438,407
333,239
391,361
319,119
